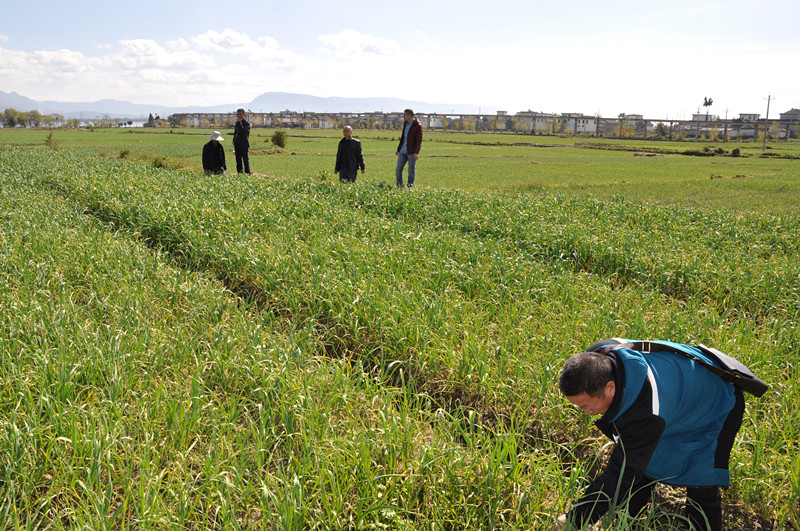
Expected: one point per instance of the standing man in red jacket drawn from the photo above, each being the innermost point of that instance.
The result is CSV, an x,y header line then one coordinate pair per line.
x,y
408,149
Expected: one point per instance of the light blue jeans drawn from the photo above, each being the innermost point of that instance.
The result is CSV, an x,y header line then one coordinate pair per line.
x,y
402,158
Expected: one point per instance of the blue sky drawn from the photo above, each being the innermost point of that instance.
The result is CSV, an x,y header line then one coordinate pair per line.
x,y
593,57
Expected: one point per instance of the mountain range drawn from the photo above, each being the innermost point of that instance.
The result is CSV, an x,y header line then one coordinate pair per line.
x,y
267,102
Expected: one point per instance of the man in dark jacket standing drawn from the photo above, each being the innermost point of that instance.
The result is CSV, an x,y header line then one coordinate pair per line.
x,y
214,155
408,149
672,419
241,142
349,157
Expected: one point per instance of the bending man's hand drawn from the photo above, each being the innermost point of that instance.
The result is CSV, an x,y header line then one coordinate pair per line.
x,y
561,523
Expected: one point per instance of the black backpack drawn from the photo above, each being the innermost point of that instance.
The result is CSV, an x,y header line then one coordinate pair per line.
x,y
726,367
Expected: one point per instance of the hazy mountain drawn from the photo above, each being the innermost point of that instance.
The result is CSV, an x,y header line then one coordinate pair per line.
x,y
100,108
267,102
15,101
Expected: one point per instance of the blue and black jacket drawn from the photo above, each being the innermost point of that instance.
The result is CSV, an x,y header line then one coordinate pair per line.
x,y
667,417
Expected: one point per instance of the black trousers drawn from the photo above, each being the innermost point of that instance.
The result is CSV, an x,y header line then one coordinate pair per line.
x,y
348,175
242,159
703,505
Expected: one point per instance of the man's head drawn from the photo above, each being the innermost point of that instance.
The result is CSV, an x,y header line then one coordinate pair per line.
x,y
215,137
239,114
587,381
408,115
347,131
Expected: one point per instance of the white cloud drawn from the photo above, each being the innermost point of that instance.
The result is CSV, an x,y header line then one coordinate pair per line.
x,y
180,44
264,52
232,41
149,55
351,43
61,61
208,68
3,38
12,61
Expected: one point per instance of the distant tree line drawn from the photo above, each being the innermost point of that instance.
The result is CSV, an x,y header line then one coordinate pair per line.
x,y
155,121
14,118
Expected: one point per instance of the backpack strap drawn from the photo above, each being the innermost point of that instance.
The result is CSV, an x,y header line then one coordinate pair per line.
x,y
733,371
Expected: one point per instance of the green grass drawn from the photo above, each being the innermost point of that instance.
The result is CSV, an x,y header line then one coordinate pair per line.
x,y
288,352
486,161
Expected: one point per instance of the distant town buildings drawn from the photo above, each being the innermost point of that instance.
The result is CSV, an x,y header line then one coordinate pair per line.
x,y
791,116
702,125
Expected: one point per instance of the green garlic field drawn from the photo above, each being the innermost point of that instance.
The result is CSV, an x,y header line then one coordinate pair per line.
x,y
283,351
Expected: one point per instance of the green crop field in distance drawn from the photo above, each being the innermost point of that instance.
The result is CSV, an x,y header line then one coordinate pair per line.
x,y
486,161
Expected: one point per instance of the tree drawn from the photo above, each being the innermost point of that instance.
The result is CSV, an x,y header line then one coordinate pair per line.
x,y
23,119
51,141
58,119
279,139
35,118
10,117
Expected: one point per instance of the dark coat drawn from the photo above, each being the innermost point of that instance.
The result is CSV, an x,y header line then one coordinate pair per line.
x,y
241,135
349,155
414,138
213,157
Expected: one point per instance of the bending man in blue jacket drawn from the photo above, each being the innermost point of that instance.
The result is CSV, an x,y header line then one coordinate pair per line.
x,y
672,419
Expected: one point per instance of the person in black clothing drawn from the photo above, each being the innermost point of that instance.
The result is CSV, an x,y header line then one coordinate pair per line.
x,y
349,157
241,142
214,155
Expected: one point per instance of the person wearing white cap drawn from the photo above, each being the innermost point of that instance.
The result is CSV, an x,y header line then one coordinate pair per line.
x,y
214,155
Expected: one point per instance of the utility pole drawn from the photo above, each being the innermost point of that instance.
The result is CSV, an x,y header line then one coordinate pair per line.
x,y
766,125
725,135
697,128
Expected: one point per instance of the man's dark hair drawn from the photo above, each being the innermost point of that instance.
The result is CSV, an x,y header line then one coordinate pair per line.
x,y
408,111
586,372
239,110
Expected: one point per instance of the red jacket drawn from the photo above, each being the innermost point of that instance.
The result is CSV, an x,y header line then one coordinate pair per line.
x,y
414,138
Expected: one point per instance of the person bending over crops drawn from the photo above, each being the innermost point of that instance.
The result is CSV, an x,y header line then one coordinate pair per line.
x,y
214,155
673,421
